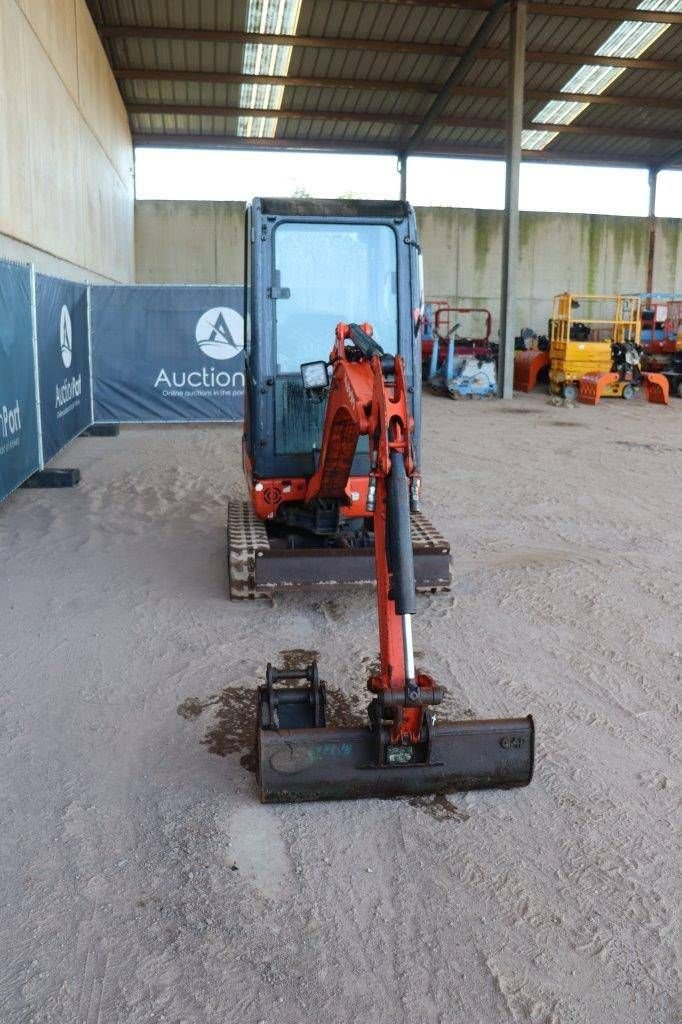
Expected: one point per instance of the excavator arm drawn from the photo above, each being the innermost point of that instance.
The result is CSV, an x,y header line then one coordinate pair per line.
x,y
301,758
368,396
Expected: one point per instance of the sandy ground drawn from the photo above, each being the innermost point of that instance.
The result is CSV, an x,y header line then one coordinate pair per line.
x,y
142,881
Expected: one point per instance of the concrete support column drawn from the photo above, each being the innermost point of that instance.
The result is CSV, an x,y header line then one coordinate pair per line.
x,y
653,178
510,250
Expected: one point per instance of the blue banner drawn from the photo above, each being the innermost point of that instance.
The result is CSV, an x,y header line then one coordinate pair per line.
x,y
167,353
19,428
63,361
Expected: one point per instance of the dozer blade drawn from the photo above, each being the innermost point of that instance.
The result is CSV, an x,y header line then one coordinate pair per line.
x,y
259,567
340,763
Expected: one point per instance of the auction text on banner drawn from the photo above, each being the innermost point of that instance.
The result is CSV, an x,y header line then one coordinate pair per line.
x,y
63,361
168,353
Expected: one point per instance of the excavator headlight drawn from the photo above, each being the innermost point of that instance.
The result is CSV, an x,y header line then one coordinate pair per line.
x,y
315,377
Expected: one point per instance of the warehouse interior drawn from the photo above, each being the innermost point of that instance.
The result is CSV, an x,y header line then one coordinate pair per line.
x,y
147,877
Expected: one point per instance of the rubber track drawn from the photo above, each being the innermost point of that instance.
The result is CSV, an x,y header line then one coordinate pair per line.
x,y
246,536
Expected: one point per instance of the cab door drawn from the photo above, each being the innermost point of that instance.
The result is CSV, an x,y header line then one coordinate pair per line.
x,y
324,273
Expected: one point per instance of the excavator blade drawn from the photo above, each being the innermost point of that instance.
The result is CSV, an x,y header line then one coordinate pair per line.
x,y
260,566
339,763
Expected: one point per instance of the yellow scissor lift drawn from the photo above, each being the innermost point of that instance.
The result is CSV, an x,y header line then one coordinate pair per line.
x,y
590,360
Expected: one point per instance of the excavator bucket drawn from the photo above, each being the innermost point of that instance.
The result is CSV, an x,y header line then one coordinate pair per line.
x,y
300,758
527,367
656,388
336,764
593,386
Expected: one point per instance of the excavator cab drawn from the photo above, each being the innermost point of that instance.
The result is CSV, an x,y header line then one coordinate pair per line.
x,y
331,458
310,264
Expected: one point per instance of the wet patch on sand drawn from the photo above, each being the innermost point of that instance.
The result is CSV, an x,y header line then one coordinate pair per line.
x,y
346,709
233,726
440,807
296,657
193,706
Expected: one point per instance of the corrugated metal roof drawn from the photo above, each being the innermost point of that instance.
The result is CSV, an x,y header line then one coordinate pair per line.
x,y
389,84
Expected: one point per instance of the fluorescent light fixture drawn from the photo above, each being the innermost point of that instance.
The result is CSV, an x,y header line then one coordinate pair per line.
x,y
278,17
629,39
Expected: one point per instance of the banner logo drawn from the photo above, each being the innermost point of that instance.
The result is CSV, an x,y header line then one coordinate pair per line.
x,y
10,428
220,333
10,420
67,395
65,337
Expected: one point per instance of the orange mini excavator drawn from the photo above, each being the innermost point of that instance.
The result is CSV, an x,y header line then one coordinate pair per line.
x,y
369,401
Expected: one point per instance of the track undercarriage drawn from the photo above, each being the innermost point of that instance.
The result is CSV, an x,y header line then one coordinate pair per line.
x,y
262,561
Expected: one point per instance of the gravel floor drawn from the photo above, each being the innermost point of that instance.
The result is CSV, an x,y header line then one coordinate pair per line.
x,y
141,879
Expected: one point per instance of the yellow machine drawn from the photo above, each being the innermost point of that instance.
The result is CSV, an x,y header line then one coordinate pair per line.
x,y
581,348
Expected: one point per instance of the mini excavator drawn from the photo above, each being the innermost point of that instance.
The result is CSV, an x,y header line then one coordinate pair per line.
x,y
347,425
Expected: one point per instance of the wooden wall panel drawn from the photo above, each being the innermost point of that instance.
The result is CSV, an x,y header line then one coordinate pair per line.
x,y
66,158
53,130
108,209
99,99
16,209
54,22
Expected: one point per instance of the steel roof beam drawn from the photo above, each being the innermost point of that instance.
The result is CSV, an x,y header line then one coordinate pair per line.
x,y
374,45
605,99
550,57
183,140
370,117
553,10
315,82
595,13
377,85
651,258
518,21
462,69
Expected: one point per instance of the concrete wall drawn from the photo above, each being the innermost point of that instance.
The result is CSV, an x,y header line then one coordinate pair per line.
x,y
190,242
66,159
202,243
580,253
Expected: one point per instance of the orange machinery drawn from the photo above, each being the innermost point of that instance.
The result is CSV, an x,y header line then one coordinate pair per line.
x,y
331,448
401,750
